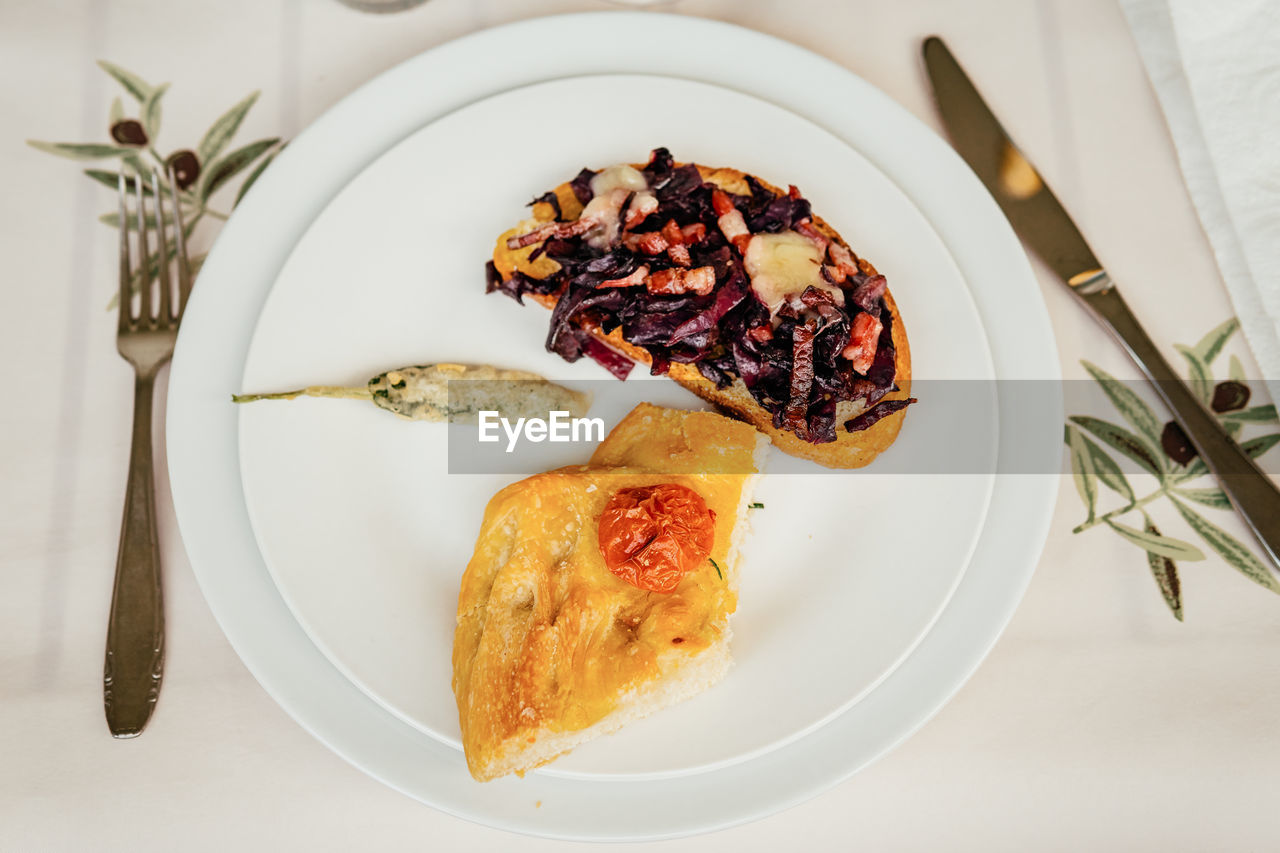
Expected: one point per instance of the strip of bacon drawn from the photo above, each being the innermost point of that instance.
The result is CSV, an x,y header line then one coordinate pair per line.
x,y
560,230
669,238
867,294
675,238
806,228
695,233
731,222
843,259
636,278
721,203
863,339
700,281
642,204
650,242
673,233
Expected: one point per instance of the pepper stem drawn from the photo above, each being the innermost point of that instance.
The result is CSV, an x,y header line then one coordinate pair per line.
x,y
361,393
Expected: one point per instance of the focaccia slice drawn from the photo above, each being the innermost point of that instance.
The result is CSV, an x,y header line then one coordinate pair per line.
x,y
551,648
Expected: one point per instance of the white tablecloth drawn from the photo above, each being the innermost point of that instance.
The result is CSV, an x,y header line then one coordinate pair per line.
x,y
1213,66
1098,722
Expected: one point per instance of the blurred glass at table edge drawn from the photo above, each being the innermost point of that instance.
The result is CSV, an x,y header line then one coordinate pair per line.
x,y
381,6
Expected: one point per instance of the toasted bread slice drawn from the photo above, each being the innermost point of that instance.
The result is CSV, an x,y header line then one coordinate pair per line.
x,y
551,649
850,450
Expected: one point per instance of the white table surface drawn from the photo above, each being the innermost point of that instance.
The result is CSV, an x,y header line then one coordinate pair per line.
x,y
1098,722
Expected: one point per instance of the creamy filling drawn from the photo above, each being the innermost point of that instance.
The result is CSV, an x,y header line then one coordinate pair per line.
x,y
618,177
609,191
782,266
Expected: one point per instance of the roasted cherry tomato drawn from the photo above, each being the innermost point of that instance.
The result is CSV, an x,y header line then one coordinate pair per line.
x,y
652,536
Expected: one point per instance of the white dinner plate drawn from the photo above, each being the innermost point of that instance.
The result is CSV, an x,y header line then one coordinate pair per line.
x,y
329,539
366,532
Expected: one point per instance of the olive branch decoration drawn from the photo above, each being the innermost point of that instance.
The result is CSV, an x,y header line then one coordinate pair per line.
x,y
1165,452
199,174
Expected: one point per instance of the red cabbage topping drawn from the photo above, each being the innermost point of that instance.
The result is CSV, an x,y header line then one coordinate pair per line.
x,y
793,363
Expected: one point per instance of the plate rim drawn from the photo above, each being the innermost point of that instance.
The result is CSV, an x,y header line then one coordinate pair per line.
x,y
197,401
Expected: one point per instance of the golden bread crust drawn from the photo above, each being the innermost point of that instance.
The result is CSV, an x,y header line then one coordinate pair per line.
x,y
849,450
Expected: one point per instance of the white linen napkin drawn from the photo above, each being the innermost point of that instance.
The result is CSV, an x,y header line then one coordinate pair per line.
x,y
1216,70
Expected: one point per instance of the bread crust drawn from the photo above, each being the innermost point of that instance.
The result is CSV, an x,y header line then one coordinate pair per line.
x,y
849,450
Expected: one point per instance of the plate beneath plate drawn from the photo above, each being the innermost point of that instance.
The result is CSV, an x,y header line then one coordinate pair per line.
x,y
365,532
209,365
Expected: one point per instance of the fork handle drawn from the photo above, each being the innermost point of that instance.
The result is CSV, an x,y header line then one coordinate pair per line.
x,y
135,633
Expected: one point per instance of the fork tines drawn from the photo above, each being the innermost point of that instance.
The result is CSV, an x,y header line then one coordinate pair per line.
x,y
157,305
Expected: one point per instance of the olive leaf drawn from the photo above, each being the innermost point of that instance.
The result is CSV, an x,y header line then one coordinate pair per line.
x,y
134,162
1208,347
133,84
1253,448
225,127
1082,471
1108,471
116,113
151,111
255,174
113,219
1157,543
231,165
1228,547
190,218
112,180
1254,415
1121,439
1110,474
1198,373
1235,369
80,150
1165,571
1132,408
1230,421
1215,498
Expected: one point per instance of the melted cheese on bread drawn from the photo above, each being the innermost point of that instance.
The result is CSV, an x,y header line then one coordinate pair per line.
x,y
552,649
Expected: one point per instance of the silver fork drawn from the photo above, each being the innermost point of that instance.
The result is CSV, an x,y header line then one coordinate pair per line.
x,y
135,633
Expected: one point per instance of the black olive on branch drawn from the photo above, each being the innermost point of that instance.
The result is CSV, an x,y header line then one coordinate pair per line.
x,y
185,167
129,131
1230,395
1176,444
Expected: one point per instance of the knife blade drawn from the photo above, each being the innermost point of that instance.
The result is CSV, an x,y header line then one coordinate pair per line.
x,y
1044,225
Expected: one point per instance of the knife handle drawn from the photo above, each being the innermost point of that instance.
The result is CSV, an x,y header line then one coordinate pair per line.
x,y
1252,492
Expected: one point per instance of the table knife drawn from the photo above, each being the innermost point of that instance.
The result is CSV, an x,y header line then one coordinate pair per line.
x,y
1042,223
